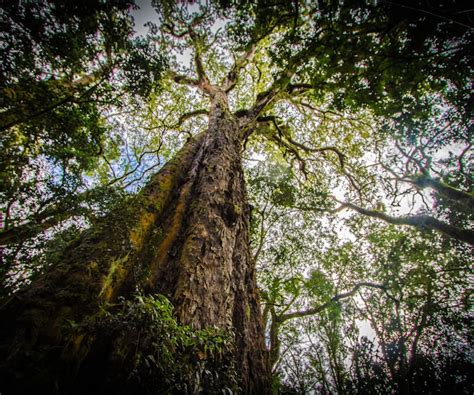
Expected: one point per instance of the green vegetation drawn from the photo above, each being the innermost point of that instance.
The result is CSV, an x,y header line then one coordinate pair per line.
x,y
158,355
353,127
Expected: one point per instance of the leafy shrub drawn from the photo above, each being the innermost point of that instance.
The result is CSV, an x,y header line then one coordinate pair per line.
x,y
159,355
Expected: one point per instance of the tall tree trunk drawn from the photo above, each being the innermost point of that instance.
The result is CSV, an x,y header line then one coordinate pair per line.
x,y
184,236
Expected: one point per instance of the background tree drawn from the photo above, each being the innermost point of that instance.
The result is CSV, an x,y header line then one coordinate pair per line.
x,y
65,66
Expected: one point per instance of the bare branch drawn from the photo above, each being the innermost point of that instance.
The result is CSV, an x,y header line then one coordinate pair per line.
x,y
142,175
294,152
340,155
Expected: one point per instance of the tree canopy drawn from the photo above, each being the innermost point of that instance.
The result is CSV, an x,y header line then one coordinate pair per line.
x,y
356,118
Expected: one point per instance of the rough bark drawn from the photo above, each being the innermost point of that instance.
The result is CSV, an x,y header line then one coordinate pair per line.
x,y
185,236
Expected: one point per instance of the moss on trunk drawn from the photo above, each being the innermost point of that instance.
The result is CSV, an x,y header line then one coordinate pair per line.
x,y
185,236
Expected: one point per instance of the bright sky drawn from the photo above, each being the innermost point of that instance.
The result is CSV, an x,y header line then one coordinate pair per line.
x,y
143,15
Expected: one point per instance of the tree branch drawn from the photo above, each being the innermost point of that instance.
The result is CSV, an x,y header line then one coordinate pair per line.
x,y
183,79
341,157
232,77
419,221
304,313
189,115
464,198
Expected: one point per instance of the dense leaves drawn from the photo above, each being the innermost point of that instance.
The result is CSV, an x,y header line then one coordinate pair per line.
x,y
65,66
158,354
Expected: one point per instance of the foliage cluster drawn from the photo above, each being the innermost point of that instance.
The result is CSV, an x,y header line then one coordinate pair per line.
x,y
156,354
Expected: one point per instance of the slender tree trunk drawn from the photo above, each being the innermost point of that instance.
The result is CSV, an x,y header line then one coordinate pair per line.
x,y
185,236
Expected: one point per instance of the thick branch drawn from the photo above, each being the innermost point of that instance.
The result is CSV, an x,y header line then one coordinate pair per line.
x,y
183,79
170,28
202,76
88,82
419,327
201,72
275,343
53,215
299,88
6,123
464,198
419,221
261,237
190,115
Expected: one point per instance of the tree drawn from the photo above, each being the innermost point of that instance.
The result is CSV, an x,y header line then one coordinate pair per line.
x,y
418,323
63,65
185,235
421,334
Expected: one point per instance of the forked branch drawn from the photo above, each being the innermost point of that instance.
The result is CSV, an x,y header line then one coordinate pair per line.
x,y
305,313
